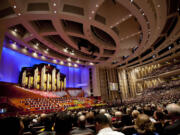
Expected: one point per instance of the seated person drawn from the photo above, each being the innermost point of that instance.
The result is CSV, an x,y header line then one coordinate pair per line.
x,y
144,126
103,126
174,114
63,124
48,123
82,126
11,126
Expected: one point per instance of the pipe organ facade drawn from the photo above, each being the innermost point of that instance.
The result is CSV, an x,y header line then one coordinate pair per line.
x,y
43,77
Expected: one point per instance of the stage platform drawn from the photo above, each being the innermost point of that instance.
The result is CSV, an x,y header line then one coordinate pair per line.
x,y
24,101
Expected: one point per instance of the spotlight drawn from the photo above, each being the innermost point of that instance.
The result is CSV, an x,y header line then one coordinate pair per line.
x,y
14,46
91,63
69,64
43,57
15,30
68,59
65,50
75,65
34,54
61,62
77,61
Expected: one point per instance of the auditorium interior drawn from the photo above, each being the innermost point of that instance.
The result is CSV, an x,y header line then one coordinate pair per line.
x,y
88,55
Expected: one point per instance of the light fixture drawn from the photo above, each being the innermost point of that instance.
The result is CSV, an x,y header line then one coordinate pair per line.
x,y
68,59
61,62
55,11
72,53
14,6
93,12
54,4
46,51
169,47
90,18
143,14
19,14
91,63
158,6
65,50
97,5
43,57
75,65
24,50
34,54
14,46
55,61
131,0
130,15
15,30
69,64
77,61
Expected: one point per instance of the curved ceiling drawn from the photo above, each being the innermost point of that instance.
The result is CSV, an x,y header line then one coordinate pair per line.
x,y
117,33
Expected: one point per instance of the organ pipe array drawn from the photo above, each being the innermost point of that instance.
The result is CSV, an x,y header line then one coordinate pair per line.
x,y
43,77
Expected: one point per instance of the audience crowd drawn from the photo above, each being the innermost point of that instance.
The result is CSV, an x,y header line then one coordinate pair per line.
x,y
160,117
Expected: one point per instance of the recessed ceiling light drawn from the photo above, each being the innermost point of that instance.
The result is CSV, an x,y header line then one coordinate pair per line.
x,y
43,57
61,62
75,65
92,12
54,4
131,0
91,63
47,49
90,18
15,30
97,5
130,15
24,50
19,14
111,26
158,6
14,46
65,50
55,12
34,54
69,64
77,61
14,6
143,14
72,53
55,61
68,59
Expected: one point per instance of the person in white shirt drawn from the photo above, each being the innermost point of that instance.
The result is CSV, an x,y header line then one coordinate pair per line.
x,y
103,126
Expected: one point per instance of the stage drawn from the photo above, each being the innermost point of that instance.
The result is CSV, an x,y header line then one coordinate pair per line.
x,y
26,101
